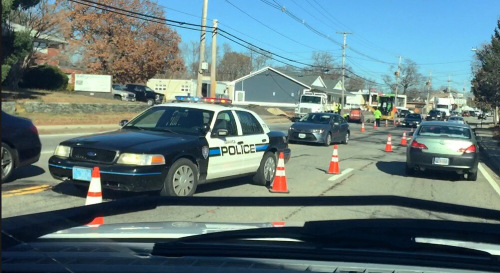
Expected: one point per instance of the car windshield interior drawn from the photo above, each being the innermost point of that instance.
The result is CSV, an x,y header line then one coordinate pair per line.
x,y
176,119
317,118
434,113
310,99
445,131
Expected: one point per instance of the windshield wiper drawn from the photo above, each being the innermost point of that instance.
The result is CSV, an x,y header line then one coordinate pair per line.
x,y
163,130
132,127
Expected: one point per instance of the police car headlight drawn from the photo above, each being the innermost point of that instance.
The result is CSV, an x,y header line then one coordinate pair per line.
x,y
318,130
141,159
62,151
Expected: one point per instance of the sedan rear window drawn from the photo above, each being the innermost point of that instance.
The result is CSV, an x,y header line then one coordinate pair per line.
x,y
445,131
414,116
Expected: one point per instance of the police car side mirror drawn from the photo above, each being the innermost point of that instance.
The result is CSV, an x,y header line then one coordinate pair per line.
x,y
222,132
123,122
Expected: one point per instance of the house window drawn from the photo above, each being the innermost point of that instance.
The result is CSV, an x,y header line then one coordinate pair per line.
x,y
185,88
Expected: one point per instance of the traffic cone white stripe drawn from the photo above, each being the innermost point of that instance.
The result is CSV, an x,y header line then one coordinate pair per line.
x,y
94,196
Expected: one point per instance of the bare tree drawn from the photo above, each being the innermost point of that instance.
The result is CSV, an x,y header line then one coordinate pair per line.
x,y
259,57
233,65
409,77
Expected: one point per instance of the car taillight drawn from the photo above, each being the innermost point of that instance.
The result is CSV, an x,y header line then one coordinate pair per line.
x,y
417,145
34,129
468,150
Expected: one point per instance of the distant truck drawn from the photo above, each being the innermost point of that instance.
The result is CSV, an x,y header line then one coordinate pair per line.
x,y
312,102
443,105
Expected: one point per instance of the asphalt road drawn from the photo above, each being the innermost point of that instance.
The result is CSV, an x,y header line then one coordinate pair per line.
x,y
366,171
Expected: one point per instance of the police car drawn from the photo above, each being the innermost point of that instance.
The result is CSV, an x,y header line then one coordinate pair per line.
x,y
174,147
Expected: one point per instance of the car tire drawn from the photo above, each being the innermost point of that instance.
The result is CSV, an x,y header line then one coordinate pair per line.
x,y
328,139
472,176
267,170
117,97
8,158
346,138
181,180
151,102
409,171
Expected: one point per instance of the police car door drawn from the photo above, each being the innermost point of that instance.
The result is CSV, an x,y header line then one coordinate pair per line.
x,y
254,139
224,159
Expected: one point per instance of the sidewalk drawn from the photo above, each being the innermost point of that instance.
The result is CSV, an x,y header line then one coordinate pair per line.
x,y
97,128
489,146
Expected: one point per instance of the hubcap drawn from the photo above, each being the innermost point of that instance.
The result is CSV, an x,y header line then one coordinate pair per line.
x,y
7,162
346,137
150,102
183,181
269,169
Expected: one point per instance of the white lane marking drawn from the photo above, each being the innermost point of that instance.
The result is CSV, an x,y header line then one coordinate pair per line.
x,y
344,172
489,178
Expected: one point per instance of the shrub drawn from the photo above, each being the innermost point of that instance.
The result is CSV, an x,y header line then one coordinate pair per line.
x,y
45,77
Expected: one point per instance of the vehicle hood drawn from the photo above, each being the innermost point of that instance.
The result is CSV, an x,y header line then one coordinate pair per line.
x,y
130,139
166,229
306,126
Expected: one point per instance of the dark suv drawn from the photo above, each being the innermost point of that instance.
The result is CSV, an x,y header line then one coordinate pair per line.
x,y
434,115
144,93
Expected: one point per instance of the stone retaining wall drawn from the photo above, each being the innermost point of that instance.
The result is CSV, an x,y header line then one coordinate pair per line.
x,y
73,108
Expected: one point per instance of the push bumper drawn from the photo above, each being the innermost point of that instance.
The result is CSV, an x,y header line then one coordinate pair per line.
x,y
287,154
116,177
461,164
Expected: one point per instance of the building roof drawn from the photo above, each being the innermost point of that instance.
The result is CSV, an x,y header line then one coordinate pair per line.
x,y
272,69
17,27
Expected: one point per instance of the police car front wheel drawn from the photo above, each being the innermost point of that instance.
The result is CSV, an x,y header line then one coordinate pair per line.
x,y
181,180
267,170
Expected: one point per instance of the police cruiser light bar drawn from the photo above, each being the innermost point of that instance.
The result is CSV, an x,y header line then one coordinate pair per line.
x,y
200,99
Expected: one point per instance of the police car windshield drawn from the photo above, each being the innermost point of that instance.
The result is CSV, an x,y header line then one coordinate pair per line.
x,y
310,99
173,119
316,118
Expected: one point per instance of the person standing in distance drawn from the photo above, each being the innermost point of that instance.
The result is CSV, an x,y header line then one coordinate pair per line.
x,y
377,115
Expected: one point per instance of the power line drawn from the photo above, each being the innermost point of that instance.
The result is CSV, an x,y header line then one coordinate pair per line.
x,y
255,19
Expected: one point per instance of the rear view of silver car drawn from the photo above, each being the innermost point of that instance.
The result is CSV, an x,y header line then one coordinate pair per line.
x,y
444,146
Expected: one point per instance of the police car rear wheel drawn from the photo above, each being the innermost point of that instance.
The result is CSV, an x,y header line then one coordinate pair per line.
x,y
267,170
182,179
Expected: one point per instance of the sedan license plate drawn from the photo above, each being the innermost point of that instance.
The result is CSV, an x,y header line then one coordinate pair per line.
x,y
441,161
302,135
84,174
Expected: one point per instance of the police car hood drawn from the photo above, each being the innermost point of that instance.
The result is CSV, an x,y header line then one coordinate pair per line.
x,y
130,140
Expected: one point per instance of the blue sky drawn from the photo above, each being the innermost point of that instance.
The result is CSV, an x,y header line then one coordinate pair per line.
x,y
437,34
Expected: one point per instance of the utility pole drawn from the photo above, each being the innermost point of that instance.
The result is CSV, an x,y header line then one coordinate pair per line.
x,y
429,91
213,82
449,84
343,68
202,49
397,85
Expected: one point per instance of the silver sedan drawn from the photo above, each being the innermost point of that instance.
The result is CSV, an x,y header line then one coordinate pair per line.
x,y
445,146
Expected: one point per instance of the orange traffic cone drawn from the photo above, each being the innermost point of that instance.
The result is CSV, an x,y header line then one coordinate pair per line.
x,y
94,196
362,127
388,146
334,163
385,123
279,183
375,124
403,140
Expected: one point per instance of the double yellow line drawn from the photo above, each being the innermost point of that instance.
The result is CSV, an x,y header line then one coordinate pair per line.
x,y
24,191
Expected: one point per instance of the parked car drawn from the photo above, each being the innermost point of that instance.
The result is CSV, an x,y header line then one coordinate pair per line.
x,y
320,128
412,120
145,94
120,93
465,114
444,146
434,115
472,113
21,145
356,115
454,113
457,119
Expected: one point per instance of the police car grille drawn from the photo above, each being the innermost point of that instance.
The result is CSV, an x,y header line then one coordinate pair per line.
x,y
93,155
